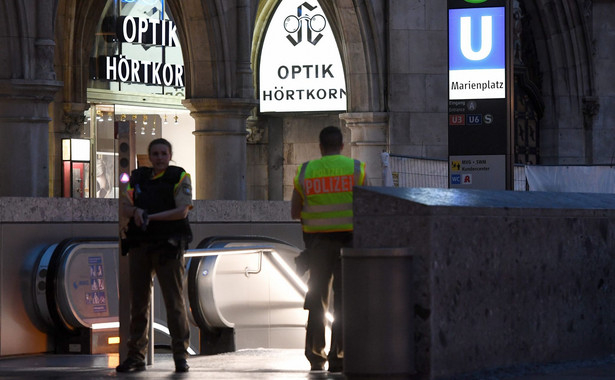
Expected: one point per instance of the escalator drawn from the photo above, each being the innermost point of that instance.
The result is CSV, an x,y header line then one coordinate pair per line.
x,y
242,292
246,287
75,294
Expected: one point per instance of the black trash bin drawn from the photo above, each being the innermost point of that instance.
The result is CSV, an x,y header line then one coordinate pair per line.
x,y
378,312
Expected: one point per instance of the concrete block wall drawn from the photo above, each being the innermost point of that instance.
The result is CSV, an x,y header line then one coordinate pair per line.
x,y
501,279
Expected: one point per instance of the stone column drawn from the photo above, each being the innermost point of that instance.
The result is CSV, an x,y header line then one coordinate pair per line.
x,y
27,87
368,138
24,136
220,130
244,42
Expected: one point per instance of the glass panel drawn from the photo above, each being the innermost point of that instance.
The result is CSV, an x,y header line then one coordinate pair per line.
x,y
105,152
149,124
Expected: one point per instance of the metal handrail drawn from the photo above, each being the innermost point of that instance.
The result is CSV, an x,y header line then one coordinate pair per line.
x,y
202,252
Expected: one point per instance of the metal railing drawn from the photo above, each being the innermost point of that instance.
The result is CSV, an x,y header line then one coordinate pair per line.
x,y
418,172
408,171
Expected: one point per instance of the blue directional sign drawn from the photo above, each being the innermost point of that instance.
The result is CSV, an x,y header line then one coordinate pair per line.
x,y
477,53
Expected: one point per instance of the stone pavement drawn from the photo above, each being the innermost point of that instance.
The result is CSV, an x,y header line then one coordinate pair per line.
x,y
273,364
270,364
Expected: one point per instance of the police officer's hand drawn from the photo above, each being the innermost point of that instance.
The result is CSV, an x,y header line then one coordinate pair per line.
x,y
138,217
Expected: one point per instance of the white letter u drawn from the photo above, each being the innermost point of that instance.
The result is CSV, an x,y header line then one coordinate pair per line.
x,y
466,38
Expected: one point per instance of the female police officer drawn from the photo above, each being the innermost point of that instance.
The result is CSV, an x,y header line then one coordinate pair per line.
x,y
157,202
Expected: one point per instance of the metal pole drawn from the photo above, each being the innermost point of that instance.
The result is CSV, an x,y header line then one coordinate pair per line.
x,y
510,98
150,349
125,133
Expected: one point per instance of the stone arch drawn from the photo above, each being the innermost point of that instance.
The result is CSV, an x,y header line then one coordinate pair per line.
x,y
211,34
363,48
199,32
78,20
76,27
205,31
215,37
565,63
29,53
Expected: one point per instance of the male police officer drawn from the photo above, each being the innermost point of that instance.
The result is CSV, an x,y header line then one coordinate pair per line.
x,y
322,199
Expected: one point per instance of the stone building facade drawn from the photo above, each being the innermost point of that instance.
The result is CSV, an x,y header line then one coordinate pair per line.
x,y
394,54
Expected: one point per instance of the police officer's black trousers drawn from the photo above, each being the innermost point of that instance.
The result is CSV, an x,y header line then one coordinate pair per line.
x,y
325,273
164,261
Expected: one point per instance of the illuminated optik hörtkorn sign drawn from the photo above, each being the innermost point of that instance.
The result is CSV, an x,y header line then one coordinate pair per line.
x,y
477,53
300,66
143,31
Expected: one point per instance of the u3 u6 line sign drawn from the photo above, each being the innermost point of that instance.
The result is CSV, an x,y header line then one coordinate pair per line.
x,y
479,94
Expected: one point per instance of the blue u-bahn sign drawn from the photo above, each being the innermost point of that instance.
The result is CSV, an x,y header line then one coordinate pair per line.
x,y
479,94
477,53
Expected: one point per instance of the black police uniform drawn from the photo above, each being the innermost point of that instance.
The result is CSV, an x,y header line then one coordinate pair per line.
x,y
159,250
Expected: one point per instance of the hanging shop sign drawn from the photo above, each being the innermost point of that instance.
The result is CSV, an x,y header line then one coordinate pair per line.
x,y
147,32
479,89
300,66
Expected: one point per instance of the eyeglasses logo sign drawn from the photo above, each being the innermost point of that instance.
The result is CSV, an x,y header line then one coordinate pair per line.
x,y
296,24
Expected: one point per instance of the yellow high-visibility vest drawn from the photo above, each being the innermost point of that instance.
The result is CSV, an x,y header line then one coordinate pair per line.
x,y
325,186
